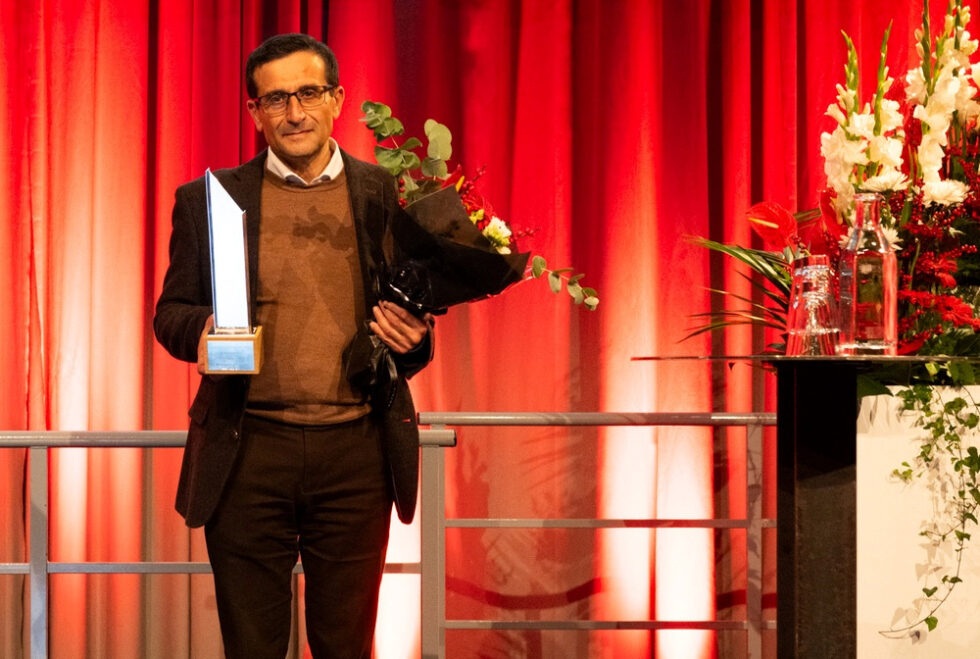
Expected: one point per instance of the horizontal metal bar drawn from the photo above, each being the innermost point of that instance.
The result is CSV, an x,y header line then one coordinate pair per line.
x,y
174,567
594,419
598,625
129,568
149,438
498,522
15,568
93,439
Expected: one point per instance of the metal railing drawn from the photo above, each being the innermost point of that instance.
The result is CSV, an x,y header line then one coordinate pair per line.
x,y
432,566
434,525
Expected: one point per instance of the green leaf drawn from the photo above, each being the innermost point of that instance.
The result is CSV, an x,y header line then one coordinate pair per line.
x,y
930,591
931,622
435,168
591,302
440,140
868,386
575,291
538,265
390,159
389,128
411,143
554,281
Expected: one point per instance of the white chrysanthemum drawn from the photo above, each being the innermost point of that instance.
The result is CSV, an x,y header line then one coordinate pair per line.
x,y
944,193
888,180
891,235
498,233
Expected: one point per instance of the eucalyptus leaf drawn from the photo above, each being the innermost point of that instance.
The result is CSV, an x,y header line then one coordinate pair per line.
x,y
435,168
554,281
538,265
440,140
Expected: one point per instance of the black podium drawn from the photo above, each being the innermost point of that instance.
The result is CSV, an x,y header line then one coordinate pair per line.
x,y
817,405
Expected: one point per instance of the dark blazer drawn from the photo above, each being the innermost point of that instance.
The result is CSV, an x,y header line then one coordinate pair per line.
x,y
185,304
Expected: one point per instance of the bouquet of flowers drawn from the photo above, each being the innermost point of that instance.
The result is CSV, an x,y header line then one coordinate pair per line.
x,y
450,245
917,144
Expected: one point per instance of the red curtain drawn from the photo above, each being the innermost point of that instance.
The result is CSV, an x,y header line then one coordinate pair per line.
x,y
611,130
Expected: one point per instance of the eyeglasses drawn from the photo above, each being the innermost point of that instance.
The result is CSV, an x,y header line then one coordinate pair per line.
x,y
275,103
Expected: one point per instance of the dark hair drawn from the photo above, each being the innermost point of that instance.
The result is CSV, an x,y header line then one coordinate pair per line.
x,y
281,45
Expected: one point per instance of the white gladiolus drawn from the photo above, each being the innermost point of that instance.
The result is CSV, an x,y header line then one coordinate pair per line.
x,y
885,151
915,85
834,112
891,115
862,125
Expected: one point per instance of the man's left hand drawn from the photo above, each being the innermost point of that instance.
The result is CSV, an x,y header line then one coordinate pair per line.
x,y
400,330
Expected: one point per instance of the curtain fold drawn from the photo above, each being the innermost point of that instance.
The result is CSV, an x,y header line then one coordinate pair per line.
x,y
609,132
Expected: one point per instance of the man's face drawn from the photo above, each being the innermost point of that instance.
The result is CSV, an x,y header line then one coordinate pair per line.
x,y
299,136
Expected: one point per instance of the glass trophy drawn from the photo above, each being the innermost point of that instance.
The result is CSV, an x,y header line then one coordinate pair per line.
x,y
233,345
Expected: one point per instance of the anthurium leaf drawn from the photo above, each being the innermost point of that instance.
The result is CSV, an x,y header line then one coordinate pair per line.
x,y
868,386
538,265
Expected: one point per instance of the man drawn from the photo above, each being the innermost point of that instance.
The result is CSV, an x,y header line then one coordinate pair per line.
x,y
295,460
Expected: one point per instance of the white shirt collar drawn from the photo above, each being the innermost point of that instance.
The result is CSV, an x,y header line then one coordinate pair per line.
x,y
333,169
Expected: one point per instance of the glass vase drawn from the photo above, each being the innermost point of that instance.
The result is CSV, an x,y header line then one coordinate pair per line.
x,y
868,285
812,322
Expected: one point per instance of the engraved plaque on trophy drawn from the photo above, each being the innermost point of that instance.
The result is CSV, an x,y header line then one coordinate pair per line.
x,y
233,345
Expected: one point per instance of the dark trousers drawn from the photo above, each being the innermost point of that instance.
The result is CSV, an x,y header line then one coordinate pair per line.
x,y
317,492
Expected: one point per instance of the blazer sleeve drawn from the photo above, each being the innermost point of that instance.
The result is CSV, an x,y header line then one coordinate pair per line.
x,y
184,304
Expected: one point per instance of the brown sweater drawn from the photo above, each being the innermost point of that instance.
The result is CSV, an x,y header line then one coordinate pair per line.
x,y
310,302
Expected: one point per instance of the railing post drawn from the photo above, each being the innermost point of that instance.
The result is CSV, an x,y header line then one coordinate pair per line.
x,y
754,540
38,551
433,540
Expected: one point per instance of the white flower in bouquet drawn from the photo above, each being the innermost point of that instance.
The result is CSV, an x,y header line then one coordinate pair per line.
x,y
891,235
888,180
886,151
498,233
944,193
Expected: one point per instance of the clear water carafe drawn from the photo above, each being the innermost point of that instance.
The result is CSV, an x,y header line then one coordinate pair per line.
x,y
868,285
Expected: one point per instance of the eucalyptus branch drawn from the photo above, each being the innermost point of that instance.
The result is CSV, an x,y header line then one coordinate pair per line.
x,y
558,279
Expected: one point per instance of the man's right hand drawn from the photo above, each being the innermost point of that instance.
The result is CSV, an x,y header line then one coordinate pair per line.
x,y
202,345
